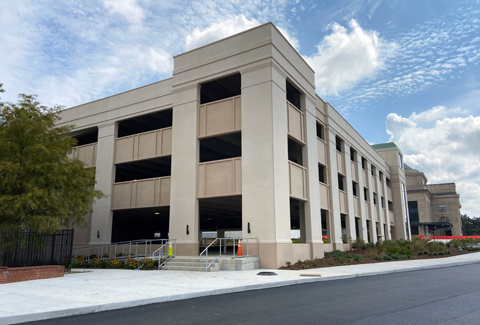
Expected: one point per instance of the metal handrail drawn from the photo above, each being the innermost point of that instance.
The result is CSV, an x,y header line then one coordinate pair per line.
x,y
220,240
206,254
160,250
107,247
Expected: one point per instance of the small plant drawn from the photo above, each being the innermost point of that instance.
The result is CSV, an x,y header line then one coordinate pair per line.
x,y
435,254
420,253
441,253
288,263
358,244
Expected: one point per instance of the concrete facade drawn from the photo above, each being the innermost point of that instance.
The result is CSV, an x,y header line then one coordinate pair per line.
x,y
432,203
243,143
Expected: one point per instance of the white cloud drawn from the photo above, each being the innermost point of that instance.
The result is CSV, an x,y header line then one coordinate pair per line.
x,y
199,37
292,40
447,151
346,57
127,8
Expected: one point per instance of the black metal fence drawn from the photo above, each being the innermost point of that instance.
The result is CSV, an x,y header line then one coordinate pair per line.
x,y
31,247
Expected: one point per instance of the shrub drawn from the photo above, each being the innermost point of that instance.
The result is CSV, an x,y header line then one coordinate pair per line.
x,y
358,244
288,263
441,253
394,250
387,258
406,251
420,253
435,254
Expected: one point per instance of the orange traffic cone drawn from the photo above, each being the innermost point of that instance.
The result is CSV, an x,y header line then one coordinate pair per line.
x,y
239,252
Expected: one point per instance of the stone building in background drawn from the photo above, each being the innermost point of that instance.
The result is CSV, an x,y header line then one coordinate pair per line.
x,y
434,209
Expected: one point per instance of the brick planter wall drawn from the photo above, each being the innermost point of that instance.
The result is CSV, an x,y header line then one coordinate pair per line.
x,y
17,274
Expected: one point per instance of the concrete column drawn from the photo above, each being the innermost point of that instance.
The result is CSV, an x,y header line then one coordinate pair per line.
x,y
336,224
183,194
361,184
351,211
388,235
265,183
373,221
381,216
102,216
313,221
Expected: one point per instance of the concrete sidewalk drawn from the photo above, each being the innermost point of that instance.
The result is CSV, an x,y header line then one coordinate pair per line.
x,y
101,289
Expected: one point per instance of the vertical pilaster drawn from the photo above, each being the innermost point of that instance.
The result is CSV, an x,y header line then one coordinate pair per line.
x,y
184,202
373,221
265,181
361,184
313,222
336,224
102,215
351,211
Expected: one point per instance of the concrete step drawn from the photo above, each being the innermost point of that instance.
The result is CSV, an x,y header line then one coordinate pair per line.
x,y
175,263
189,268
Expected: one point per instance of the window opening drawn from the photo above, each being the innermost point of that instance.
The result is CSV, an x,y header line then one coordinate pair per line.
x,y
322,176
293,95
145,123
222,88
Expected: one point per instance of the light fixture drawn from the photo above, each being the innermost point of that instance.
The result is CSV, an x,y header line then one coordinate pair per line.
x,y
157,212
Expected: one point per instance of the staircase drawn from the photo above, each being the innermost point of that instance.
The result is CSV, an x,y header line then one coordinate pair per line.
x,y
191,263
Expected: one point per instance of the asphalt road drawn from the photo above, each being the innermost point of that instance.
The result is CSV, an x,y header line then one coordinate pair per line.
x,y
439,296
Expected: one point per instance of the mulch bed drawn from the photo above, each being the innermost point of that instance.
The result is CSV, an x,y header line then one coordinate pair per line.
x,y
328,261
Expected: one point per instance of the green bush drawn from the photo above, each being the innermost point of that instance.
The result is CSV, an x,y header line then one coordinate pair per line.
x,y
387,258
358,244
435,254
441,253
420,253
406,251
394,250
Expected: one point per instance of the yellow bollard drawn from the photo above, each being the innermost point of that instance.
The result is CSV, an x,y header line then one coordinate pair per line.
x,y
170,250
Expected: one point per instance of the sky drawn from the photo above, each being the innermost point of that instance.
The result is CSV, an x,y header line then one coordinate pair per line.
x,y
398,70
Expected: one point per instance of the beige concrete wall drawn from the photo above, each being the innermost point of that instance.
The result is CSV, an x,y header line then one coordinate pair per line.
x,y
296,123
142,193
145,145
219,178
86,154
220,117
298,181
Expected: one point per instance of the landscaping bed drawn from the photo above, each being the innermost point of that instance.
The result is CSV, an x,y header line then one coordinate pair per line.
x,y
107,263
363,253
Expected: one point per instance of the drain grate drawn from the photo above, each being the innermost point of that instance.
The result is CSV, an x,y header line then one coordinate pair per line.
x,y
266,273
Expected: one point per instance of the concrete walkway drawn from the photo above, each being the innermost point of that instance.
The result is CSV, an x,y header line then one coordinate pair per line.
x,y
101,289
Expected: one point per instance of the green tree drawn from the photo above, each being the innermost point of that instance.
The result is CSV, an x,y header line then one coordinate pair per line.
x,y
470,226
40,187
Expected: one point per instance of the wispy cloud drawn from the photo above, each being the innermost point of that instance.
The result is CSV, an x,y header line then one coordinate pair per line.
x,y
78,51
426,57
129,9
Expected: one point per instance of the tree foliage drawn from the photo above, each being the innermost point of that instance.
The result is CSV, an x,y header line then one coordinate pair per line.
x,y
40,187
470,226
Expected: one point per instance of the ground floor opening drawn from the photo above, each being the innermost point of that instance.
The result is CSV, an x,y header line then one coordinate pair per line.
x,y
220,217
145,223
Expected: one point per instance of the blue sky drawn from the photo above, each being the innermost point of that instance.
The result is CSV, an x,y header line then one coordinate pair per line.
x,y
398,70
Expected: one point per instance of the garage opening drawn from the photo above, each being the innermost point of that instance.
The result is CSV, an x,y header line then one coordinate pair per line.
x,y
143,169
136,224
221,88
144,123
220,217
85,136
221,147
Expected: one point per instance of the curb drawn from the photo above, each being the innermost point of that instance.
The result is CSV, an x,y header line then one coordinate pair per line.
x,y
16,319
